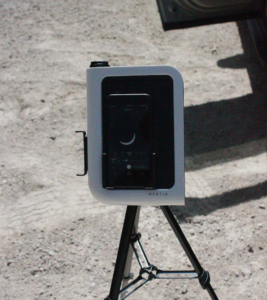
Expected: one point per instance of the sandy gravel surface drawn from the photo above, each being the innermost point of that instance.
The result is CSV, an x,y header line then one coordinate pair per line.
x,y
57,241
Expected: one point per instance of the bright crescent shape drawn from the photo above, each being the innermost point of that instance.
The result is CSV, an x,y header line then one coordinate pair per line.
x,y
129,143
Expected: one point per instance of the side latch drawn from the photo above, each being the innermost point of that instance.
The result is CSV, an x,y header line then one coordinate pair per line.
x,y
85,153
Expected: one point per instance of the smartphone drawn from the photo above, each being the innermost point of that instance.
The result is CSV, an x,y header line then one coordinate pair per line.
x,y
127,148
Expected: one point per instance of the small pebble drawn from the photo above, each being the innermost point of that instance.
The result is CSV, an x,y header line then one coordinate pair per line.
x,y
33,272
192,232
250,249
246,272
184,290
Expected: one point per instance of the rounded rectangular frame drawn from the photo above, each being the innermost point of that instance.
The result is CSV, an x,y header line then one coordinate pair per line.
x,y
172,196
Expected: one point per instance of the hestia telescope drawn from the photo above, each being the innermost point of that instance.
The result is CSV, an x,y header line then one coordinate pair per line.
x,y
135,134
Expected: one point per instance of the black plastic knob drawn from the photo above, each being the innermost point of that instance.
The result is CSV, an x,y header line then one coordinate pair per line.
x,y
95,64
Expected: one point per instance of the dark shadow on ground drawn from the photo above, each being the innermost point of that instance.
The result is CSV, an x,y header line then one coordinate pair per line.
x,y
231,122
223,124
227,123
204,206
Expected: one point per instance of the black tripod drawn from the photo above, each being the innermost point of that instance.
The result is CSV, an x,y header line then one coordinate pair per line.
x,y
130,236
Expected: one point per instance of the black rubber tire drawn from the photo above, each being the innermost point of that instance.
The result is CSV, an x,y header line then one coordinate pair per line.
x,y
258,31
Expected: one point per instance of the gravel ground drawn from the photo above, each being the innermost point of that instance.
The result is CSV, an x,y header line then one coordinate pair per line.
x,y
57,241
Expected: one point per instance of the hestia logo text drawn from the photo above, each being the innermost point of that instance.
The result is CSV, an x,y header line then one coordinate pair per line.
x,y
158,194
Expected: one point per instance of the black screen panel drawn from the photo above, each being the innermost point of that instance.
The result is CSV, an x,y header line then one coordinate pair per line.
x,y
160,90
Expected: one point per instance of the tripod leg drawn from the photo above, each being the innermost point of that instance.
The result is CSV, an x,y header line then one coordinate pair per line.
x,y
126,234
203,275
127,270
